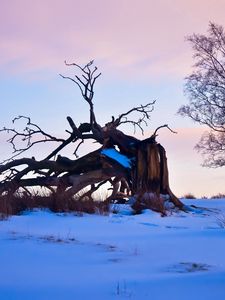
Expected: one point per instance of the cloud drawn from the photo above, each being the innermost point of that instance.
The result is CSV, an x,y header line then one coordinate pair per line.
x,y
138,37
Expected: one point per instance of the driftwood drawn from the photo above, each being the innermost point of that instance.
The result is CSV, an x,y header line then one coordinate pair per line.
x,y
137,169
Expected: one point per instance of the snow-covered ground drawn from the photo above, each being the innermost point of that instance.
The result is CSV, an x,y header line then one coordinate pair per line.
x,y
120,256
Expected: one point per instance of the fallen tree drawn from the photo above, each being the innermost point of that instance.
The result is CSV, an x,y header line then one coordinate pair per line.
x,y
136,169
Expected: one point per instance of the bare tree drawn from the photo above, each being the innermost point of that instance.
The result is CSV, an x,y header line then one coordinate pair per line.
x,y
134,168
205,88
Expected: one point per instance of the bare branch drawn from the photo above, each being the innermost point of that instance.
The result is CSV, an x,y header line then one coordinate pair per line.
x,y
31,135
75,151
145,110
205,88
133,167
86,85
162,126
93,189
212,147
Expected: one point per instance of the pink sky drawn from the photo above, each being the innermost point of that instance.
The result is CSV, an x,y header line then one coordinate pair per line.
x,y
133,42
137,36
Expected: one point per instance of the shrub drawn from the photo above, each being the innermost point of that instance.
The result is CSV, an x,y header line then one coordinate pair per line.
x,y
218,196
189,196
55,201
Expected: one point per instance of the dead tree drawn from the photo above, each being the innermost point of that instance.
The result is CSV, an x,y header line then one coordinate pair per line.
x,y
135,168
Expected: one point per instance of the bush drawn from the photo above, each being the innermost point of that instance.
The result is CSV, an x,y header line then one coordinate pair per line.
x,y
189,196
218,196
56,202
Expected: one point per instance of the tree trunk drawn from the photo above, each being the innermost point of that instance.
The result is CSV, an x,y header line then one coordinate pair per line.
x,y
150,178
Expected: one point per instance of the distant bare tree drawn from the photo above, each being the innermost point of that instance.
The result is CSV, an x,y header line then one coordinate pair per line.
x,y
205,88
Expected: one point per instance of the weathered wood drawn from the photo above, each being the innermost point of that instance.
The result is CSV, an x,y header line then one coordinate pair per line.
x,y
164,178
150,177
146,179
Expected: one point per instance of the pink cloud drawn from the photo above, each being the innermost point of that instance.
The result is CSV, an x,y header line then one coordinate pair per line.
x,y
130,36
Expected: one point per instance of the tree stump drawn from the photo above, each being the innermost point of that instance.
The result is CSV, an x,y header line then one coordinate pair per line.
x,y
150,178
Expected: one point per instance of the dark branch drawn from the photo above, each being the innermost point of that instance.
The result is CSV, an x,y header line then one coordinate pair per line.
x,y
86,85
31,135
162,126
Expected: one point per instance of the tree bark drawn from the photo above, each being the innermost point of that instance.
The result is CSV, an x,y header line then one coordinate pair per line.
x,y
150,178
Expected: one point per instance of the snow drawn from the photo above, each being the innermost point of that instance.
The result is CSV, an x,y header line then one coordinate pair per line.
x,y
119,256
120,158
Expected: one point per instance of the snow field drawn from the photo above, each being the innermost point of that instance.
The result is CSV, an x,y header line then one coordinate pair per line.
x,y
120,256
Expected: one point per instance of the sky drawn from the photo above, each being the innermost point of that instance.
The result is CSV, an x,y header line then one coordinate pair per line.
x,y
140,49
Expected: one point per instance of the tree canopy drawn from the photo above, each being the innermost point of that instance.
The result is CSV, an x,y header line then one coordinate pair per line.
x,y
205,89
